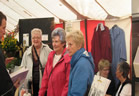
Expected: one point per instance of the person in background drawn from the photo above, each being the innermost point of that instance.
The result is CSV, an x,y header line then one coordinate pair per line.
x,y
125,87
104,71
31,61
7,87
82,65
56,74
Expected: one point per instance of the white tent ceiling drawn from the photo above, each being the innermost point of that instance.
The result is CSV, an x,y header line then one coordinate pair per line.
x,y
64,9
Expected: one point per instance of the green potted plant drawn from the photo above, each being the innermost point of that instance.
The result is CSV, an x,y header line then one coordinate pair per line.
x,y
10,47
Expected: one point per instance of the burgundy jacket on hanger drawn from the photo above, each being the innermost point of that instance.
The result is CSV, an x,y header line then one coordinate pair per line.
x,y
101,44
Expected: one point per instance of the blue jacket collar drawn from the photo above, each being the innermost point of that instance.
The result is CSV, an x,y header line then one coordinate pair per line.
x,y
81,53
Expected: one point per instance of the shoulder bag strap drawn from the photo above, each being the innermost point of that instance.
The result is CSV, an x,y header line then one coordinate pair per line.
x,y
38,59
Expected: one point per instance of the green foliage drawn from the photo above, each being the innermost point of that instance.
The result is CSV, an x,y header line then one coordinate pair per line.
x,y
10,47
13,63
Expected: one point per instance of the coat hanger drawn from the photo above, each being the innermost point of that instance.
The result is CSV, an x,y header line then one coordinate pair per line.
x,y
102,28
115,25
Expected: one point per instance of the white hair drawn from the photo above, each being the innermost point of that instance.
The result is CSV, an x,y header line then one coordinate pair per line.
x,y
36,30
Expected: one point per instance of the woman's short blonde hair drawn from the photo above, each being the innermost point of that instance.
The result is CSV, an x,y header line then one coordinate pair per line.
x,y
103,63
77,36
36,30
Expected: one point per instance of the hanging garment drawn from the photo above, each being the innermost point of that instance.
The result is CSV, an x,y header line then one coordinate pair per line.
x,y
118,49
101,45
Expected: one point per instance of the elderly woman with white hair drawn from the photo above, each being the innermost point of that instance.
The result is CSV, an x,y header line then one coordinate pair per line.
x,y
31,61
82,65
56,74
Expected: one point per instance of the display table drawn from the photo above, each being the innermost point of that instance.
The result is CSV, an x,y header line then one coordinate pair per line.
x,y
135,71
136,63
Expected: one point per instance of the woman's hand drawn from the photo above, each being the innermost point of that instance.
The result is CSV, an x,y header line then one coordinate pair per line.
x,y
17,83
9,59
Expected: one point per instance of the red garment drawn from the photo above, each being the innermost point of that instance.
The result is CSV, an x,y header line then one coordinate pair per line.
x,y
101,46
57,85
91,24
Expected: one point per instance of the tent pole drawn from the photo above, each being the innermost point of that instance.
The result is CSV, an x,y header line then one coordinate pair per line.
x,y
85,21
64,25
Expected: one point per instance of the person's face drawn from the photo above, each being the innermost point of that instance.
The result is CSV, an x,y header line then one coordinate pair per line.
x,y
105,72
36,39
2,28
58,46
118,73
72,46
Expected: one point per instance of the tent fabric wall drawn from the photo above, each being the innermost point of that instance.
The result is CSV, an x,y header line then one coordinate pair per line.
x,y
59,25
72,25
80,25
76,25
125,24
91,24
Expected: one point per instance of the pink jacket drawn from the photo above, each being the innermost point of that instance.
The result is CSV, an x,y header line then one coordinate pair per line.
x,y
55,80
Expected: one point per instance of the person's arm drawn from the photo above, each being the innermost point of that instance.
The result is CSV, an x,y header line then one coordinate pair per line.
x,y
79,82
24,60
44,83
81,79
65,89
127,90
17,83
8,60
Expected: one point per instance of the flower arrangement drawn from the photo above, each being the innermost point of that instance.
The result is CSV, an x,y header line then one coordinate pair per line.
x,y
11,48
10,44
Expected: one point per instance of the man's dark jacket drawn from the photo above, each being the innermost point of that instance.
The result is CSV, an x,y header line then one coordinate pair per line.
x,y
6,85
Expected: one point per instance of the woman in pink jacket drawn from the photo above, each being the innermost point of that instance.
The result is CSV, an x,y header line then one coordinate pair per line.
x,y
56,74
